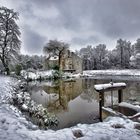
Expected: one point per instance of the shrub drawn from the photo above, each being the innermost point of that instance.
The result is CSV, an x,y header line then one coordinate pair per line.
x,y
55,67
18,69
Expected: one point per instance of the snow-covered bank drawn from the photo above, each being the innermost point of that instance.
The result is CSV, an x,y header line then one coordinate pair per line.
x,y
50,74
72,75
34,75
13,124
40,114
127,72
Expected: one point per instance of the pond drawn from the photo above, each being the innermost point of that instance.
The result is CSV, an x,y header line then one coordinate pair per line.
x,y
75,101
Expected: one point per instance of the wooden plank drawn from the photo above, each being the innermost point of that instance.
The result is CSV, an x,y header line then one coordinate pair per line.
x,y
101,104
109,87
113,113
101,88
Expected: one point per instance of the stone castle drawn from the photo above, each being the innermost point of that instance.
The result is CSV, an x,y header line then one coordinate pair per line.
x,y
70,62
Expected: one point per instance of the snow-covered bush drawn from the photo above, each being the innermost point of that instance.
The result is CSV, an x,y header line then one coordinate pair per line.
x,y
23,101
18,69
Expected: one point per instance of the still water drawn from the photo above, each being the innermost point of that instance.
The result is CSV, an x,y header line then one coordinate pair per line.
x,y
76,101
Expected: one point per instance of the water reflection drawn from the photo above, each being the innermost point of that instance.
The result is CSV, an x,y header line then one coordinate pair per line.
x,y
76,101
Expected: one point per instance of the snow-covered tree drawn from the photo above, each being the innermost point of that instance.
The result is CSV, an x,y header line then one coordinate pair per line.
x,y
31,62
86,55
9,36
94,57
99,54
57,48
135,58
124,52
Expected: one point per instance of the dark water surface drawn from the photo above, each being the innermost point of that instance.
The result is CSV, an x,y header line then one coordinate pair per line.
x,y
76,101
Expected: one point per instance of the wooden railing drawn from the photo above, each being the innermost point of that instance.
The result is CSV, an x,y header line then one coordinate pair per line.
x,y
102,88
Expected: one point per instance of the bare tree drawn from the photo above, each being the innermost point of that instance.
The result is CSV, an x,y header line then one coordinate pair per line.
x,y
54,47
9,36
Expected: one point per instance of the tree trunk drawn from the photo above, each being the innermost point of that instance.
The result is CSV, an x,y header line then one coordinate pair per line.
x,y
7,71
5,66
95,64
121,57
60,61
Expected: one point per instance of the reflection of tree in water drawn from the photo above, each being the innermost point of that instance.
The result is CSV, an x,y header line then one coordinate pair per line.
x,y
88,90
66,90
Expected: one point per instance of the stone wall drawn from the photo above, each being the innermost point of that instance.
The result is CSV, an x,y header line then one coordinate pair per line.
x,y
71,62
77,63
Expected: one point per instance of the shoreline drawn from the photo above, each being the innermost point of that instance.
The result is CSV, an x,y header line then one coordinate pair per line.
x,y
12,121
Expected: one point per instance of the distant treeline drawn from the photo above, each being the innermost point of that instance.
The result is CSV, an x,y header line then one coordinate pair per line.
x,y
124,56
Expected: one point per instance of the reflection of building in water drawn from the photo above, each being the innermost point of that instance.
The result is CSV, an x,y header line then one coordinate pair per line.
x,y
67,90
41,97
88,90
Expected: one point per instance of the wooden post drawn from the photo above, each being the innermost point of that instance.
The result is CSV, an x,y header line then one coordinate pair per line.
x,y
120,95
111,99
101,88
101,104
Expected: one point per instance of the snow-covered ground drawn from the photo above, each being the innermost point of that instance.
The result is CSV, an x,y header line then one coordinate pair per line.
x,y
34,75
13,124
127,72
37,74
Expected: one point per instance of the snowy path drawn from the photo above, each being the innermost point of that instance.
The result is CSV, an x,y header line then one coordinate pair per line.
x,y
13,126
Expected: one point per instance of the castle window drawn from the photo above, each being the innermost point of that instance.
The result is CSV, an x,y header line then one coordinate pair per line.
x,y
68,53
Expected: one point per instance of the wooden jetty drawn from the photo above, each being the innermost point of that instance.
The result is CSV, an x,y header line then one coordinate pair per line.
x,y
102,88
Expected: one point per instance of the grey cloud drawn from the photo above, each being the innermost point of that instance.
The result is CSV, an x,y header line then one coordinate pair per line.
x,y
115,18
110,19
83,41
33,42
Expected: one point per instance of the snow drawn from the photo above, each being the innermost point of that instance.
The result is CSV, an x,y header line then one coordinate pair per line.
x,y
134,107
24,107
72,75
34,75
137,115
109,85
126,72
132,58
138,55
13,124
109,110
53,58
37,74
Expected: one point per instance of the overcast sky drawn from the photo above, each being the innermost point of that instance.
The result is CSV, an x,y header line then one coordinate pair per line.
x,y
77,22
